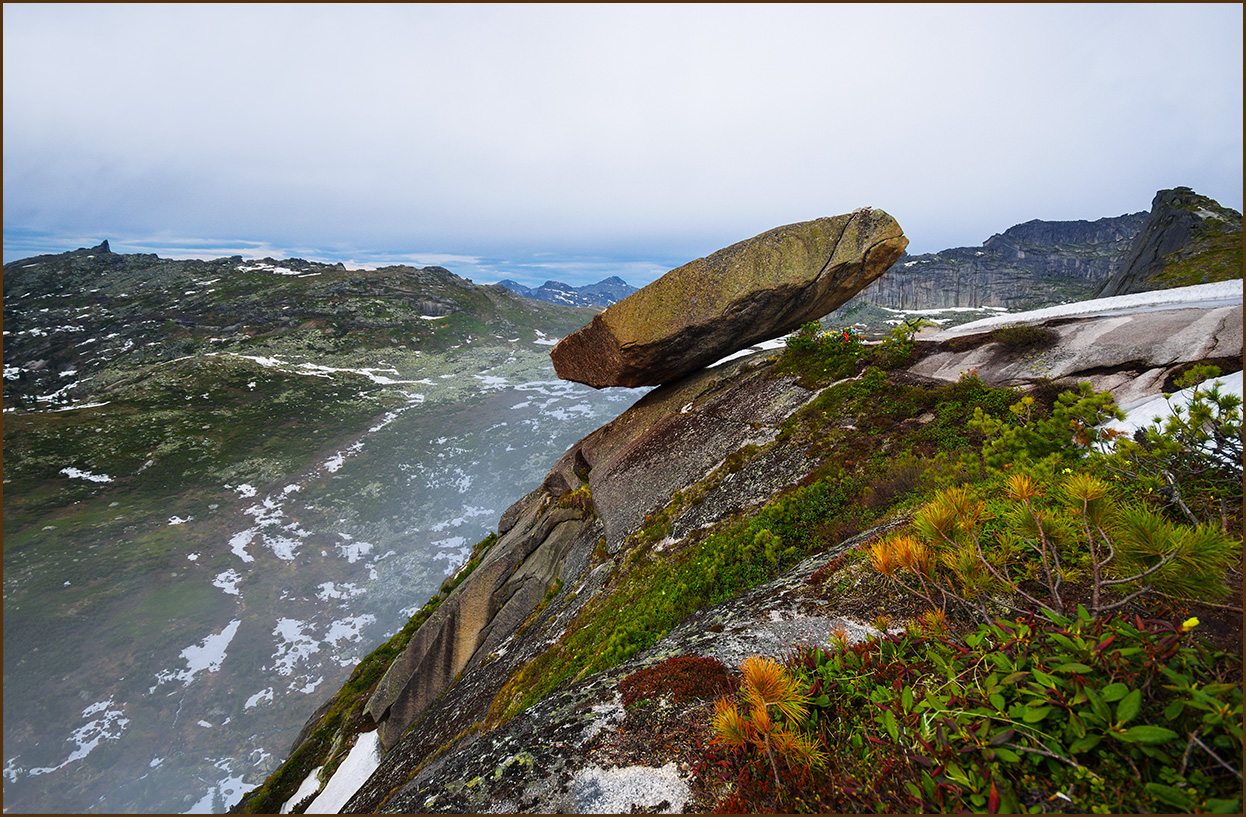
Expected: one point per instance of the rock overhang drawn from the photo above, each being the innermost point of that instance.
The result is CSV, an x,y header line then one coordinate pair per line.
x,y
752,291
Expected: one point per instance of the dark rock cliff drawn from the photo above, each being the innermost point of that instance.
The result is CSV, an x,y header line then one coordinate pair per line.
x,y
1187,239
1027,266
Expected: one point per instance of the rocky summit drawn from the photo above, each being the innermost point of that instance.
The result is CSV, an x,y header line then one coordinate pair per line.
x,y
755,290
1187,239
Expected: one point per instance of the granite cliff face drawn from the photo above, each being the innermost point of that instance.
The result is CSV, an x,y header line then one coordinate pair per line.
x,y
1026,266
1187,239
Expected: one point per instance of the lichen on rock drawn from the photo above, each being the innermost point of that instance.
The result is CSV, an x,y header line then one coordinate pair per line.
x,y
754,290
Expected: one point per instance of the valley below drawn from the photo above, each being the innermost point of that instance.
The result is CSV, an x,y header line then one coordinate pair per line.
x,y
201,543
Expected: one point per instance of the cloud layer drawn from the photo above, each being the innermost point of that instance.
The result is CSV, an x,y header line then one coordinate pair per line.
x,y
650,134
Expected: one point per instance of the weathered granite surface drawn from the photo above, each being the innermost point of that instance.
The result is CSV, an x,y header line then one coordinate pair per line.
x,y
599,492
1128,354
755,290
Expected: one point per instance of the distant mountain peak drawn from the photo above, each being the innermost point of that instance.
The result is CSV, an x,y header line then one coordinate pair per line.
x,y
601,294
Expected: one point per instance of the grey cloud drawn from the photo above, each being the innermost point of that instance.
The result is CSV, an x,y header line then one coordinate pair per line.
x,y
638,132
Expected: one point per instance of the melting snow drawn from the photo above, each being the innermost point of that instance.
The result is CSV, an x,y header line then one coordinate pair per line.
x,y
238,544
228,581
1200,294
205,656
349,629
263,696
330,590
309,786
352,551
360,763
295,645
228,791
76,473
1142,414
108,726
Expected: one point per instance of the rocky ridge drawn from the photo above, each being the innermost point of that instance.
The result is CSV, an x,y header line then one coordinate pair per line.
x,y
603,293
1187,239
692,460
571,541
1025,267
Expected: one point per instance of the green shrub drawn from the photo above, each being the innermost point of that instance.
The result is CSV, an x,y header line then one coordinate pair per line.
x,y
1085,714
1024,336
1193,459
820,357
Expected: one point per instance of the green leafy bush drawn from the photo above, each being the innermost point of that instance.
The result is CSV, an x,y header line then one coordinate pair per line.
x,y
820,357
1026,715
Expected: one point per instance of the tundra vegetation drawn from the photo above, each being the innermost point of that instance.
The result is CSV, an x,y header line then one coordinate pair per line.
x,y
1049,662
1048,671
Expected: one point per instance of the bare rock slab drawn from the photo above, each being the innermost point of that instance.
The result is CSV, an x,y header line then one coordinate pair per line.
x,y
752,291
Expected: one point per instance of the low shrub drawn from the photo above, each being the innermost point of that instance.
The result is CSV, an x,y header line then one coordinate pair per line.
x,y
682,678
1107,715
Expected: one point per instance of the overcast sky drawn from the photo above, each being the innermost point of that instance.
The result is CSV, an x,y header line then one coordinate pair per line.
x,y
576,142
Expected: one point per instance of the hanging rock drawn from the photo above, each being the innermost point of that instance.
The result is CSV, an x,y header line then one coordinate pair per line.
x,y
752,291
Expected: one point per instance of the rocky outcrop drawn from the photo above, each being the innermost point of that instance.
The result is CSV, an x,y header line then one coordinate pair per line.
x,y
597,494
751,291
1187,239
1121,347
1029,265
552,759
566,543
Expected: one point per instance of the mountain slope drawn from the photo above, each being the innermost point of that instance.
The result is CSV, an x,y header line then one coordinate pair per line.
x,y
651,538
224,480
1187,239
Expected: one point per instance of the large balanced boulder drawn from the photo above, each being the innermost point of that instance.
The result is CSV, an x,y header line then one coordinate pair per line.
x,y
752,291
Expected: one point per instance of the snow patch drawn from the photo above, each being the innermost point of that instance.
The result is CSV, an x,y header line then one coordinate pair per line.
x,y
238,544
309,786
295,645
360,763
77,473
207,656
228,581
1142,415
1198,295
109,725
263,696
